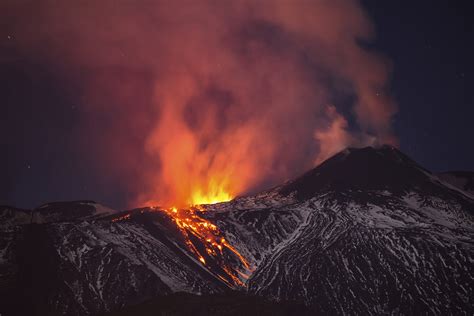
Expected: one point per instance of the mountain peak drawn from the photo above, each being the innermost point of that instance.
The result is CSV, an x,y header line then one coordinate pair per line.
x,y
368,168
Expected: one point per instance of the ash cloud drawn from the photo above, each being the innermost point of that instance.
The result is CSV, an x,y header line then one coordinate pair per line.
x,y
186,96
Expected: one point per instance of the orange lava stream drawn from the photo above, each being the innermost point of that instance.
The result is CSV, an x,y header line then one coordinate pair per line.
x,y
121,218
191,224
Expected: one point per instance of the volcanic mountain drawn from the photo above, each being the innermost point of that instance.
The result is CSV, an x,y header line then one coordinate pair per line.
x,y
368,231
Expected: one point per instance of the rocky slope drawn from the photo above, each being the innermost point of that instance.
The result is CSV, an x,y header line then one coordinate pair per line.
x,y
463,180
367,232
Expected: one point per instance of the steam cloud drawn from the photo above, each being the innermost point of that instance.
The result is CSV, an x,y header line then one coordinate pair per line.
x,y
182,98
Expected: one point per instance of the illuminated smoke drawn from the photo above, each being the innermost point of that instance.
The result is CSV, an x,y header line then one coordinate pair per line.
x,y
199,101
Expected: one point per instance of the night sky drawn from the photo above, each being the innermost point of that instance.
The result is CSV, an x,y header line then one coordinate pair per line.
x,y
428,42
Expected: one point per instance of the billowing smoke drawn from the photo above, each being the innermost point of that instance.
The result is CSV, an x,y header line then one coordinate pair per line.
x,y
199,101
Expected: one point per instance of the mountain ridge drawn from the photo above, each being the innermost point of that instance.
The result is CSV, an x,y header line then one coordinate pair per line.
x,y
392,242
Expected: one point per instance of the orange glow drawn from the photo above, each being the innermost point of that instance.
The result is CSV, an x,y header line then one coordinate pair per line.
x,y
216,195
201,163
216,248
121,218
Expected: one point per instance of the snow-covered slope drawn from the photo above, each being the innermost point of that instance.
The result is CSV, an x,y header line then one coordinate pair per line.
x,y
94,262
367,232
408,255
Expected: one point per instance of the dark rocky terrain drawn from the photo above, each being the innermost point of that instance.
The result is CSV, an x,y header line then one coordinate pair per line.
x,y
367,232
463,180
232,303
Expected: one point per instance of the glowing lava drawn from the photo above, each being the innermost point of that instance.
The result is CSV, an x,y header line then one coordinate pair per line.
x,y
212,250
121,218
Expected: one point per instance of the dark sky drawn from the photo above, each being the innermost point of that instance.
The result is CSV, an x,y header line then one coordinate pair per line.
x,y
429,43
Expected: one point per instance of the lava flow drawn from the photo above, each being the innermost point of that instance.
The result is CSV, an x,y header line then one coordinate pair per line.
x,y
207,244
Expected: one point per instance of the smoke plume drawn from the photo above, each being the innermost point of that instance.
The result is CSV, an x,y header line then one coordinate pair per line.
x,y
196,101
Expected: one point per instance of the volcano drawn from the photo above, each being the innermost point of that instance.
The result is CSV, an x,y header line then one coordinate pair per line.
x,y
368,231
